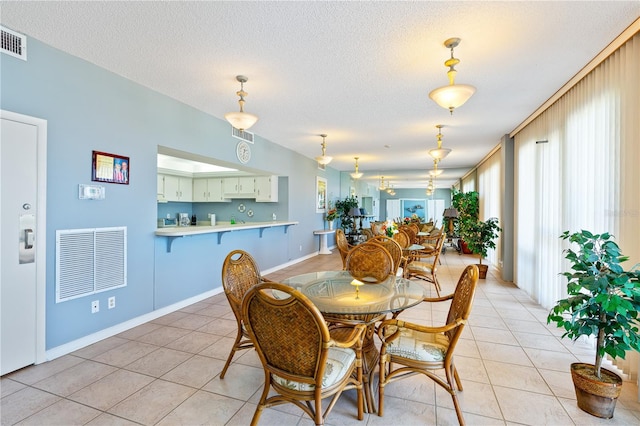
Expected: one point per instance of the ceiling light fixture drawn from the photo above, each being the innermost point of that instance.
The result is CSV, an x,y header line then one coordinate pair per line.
x,y
453,95
382,187
324,159
440,152
356,174
241,120
435,171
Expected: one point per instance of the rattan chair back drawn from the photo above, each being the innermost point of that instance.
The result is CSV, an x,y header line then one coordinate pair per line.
x,y
392,247
413,235
240,272
294,346
343,246
368,233
370,263
402,238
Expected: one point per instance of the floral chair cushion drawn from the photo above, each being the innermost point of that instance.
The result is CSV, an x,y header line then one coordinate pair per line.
x,y
420,267
411,344
338,363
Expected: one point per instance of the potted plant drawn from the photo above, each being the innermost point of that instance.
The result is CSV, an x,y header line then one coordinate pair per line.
x,y
468,206
331,215
344,207
603,301
480,237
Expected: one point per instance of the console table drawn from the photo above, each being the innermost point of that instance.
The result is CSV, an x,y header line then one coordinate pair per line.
x,y
323,239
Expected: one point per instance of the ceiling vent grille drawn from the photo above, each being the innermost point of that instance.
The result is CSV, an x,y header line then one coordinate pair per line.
x,y
242,134
90,261
13,43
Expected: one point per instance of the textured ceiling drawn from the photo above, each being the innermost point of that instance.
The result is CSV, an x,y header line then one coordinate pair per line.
x,y
360,72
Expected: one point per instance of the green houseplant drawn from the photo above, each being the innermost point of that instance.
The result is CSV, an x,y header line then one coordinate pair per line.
x,y
480,237
603,301
343,207
468,206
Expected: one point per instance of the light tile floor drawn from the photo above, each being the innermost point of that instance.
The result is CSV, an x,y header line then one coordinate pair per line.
x,y
514,369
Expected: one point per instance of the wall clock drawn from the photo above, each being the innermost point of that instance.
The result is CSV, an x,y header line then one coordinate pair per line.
x,y
243,151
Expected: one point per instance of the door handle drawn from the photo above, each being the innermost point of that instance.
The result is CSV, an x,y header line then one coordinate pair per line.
x,y
29,239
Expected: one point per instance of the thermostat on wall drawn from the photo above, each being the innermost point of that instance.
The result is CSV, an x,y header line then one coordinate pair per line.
x,y
91,192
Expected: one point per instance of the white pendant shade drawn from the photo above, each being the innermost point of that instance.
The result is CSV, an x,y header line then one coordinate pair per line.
x,y
439,153
452,96
241,120
324,159
356,174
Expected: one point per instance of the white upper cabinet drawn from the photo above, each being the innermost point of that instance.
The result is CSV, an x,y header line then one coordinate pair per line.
x,y
208,190
176,188
267,189
239,187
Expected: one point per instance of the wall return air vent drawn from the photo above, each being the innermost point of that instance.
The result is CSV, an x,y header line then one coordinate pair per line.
x,y
13,43
90,261
242,134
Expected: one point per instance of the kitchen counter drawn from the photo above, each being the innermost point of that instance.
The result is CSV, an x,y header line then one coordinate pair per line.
x,y
220,228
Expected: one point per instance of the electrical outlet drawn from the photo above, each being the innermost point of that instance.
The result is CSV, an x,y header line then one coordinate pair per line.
x,y
95,306
112,302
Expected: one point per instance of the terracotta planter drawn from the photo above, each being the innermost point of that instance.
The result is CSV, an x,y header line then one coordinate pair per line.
x,y
482,271
464,247
596,397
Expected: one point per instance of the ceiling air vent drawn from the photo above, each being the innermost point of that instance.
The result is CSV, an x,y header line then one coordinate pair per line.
x,y
242,134
13,43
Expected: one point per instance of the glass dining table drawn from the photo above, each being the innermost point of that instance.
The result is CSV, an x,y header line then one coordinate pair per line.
x,y
343,301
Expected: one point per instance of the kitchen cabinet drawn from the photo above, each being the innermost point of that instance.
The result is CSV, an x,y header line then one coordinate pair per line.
x,y
266,189
176,188
208,190
239,187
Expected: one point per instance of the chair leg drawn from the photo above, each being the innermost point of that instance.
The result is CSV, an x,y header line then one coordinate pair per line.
x,y
236,344
455,375
452,374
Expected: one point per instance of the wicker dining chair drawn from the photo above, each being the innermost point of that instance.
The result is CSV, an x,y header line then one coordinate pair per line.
x,y
427,270
409,349
413,235
394,250
402,238
301,361
368,233
343,246
370,263
239,273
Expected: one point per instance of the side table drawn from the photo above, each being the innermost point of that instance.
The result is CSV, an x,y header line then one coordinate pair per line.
x,y
323,239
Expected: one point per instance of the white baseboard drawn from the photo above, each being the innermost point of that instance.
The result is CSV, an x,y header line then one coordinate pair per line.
x,y
90,339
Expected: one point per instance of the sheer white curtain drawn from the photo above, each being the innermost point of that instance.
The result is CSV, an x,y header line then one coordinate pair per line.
x,y
469,182
489,190
583,173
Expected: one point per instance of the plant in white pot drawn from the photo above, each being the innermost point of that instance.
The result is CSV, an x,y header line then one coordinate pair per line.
x,y
603,301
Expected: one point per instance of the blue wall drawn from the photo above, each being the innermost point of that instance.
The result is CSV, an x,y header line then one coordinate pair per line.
x,y
89,108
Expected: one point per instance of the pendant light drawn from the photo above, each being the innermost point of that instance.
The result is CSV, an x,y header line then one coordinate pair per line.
x,y
435,171
440,152
324,159
356,174
241,120
382,187
453,95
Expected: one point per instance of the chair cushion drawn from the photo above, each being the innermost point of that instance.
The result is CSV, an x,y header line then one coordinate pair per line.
x,y
420,267
411,344
339,362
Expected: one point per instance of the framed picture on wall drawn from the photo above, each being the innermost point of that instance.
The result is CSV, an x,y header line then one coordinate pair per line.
x,y
321,195
409,207
110,168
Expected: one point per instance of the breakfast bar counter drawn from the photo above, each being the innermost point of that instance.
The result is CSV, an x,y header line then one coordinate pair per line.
x,y
221,228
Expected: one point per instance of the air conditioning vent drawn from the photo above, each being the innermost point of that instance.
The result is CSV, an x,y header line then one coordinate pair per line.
x,y
242,134
90,261
13,43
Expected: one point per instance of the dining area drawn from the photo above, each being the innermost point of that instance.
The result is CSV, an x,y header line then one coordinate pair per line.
x,y
512,365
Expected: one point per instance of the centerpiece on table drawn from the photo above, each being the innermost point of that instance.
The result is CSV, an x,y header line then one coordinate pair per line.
x,y
332,215
389,228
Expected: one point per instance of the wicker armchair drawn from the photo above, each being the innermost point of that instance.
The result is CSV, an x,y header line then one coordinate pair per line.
x,y
239,273
343,246
427,270
402,238
408,349
301,362
367,232
394,250
370,263
411,232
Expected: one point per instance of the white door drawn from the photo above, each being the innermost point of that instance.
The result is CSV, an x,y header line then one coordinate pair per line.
x,y
19,316
393,209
